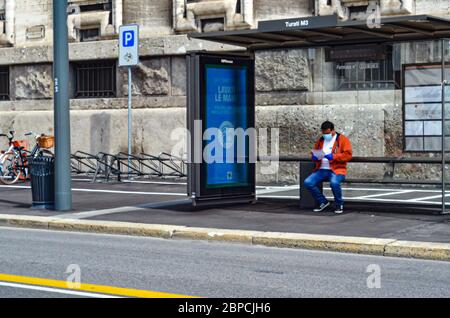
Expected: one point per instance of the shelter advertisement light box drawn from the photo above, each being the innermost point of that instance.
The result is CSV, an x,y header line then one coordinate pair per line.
x,y
220,99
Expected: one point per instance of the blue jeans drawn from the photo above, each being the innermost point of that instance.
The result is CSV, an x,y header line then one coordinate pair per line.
x,y
325,175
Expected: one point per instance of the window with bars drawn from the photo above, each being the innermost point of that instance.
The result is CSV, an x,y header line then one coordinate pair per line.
x,y
4,83
95,79
364,67
363,75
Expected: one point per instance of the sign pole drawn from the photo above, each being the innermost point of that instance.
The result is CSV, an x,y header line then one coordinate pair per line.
x,y
130,121
129,56
63,194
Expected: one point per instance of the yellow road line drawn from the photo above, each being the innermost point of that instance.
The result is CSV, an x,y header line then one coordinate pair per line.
x,y
100,289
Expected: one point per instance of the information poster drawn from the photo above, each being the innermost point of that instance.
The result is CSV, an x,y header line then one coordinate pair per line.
x,y
423,107
226,108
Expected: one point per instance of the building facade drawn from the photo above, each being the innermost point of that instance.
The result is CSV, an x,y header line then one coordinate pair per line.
x,y
297,89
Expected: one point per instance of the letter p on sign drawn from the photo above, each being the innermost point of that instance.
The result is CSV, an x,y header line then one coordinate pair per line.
x,y
128,38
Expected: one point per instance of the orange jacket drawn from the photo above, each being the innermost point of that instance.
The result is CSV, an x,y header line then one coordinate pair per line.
x,y
342,153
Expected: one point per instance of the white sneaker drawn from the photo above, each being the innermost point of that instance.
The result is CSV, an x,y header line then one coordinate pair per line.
x,y
339,209
322,207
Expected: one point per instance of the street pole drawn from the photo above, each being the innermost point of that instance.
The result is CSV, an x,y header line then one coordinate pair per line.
x,y
63,195
443,83
130,121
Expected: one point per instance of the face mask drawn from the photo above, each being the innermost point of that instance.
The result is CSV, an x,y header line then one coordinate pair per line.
x,y
328,137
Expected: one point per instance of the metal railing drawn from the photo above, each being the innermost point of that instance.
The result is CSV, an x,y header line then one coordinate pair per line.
x,y
165,165
107,166
388,176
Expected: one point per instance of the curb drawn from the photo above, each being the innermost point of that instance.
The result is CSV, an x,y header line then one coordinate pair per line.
x,y
344,244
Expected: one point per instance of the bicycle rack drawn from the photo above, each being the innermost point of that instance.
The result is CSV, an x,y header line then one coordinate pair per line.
x,y
83,163
169,162
142,165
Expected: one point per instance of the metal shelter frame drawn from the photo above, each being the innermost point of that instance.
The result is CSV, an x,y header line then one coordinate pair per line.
x,y
329,31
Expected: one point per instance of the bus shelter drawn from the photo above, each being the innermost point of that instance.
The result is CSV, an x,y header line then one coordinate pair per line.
x,y
406,60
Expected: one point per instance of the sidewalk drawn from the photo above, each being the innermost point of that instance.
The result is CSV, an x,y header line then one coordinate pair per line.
x,y
163,209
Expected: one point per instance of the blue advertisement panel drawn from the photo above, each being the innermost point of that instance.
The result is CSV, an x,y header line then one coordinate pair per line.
x,y
221,122
226,110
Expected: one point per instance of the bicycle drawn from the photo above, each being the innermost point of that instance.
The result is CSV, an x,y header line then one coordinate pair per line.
x,y
14,161
43,143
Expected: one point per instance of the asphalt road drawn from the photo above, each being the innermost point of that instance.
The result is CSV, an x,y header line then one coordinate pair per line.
x,y
209,269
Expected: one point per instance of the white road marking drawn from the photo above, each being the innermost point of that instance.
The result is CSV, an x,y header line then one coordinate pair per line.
x,y
279,197
281,188
90,214
57,291
382,194
136,181
350,199
15,187
265,193
287,188
124,209
131,192
428,198
393,200
107,191
268,190
389,190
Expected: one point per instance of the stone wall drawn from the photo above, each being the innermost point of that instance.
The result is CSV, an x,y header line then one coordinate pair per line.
x,y
30,16
156,77
286,70
299,128
103,130
273,9
153,16
433,7
150,77
31,82
95,130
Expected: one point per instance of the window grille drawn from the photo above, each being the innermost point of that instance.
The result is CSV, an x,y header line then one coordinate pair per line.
x,y
95,79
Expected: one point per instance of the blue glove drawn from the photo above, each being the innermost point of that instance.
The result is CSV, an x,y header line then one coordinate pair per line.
x,y
315,158
329,157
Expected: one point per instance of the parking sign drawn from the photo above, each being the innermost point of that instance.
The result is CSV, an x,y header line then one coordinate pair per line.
x,y
129,45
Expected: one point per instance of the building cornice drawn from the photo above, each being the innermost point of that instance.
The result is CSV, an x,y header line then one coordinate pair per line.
x,y
108,49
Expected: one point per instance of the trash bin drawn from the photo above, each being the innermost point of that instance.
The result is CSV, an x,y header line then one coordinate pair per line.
x,y
306,199
42,172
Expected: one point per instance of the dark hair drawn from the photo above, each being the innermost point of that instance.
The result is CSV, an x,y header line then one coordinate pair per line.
x,y
327,125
